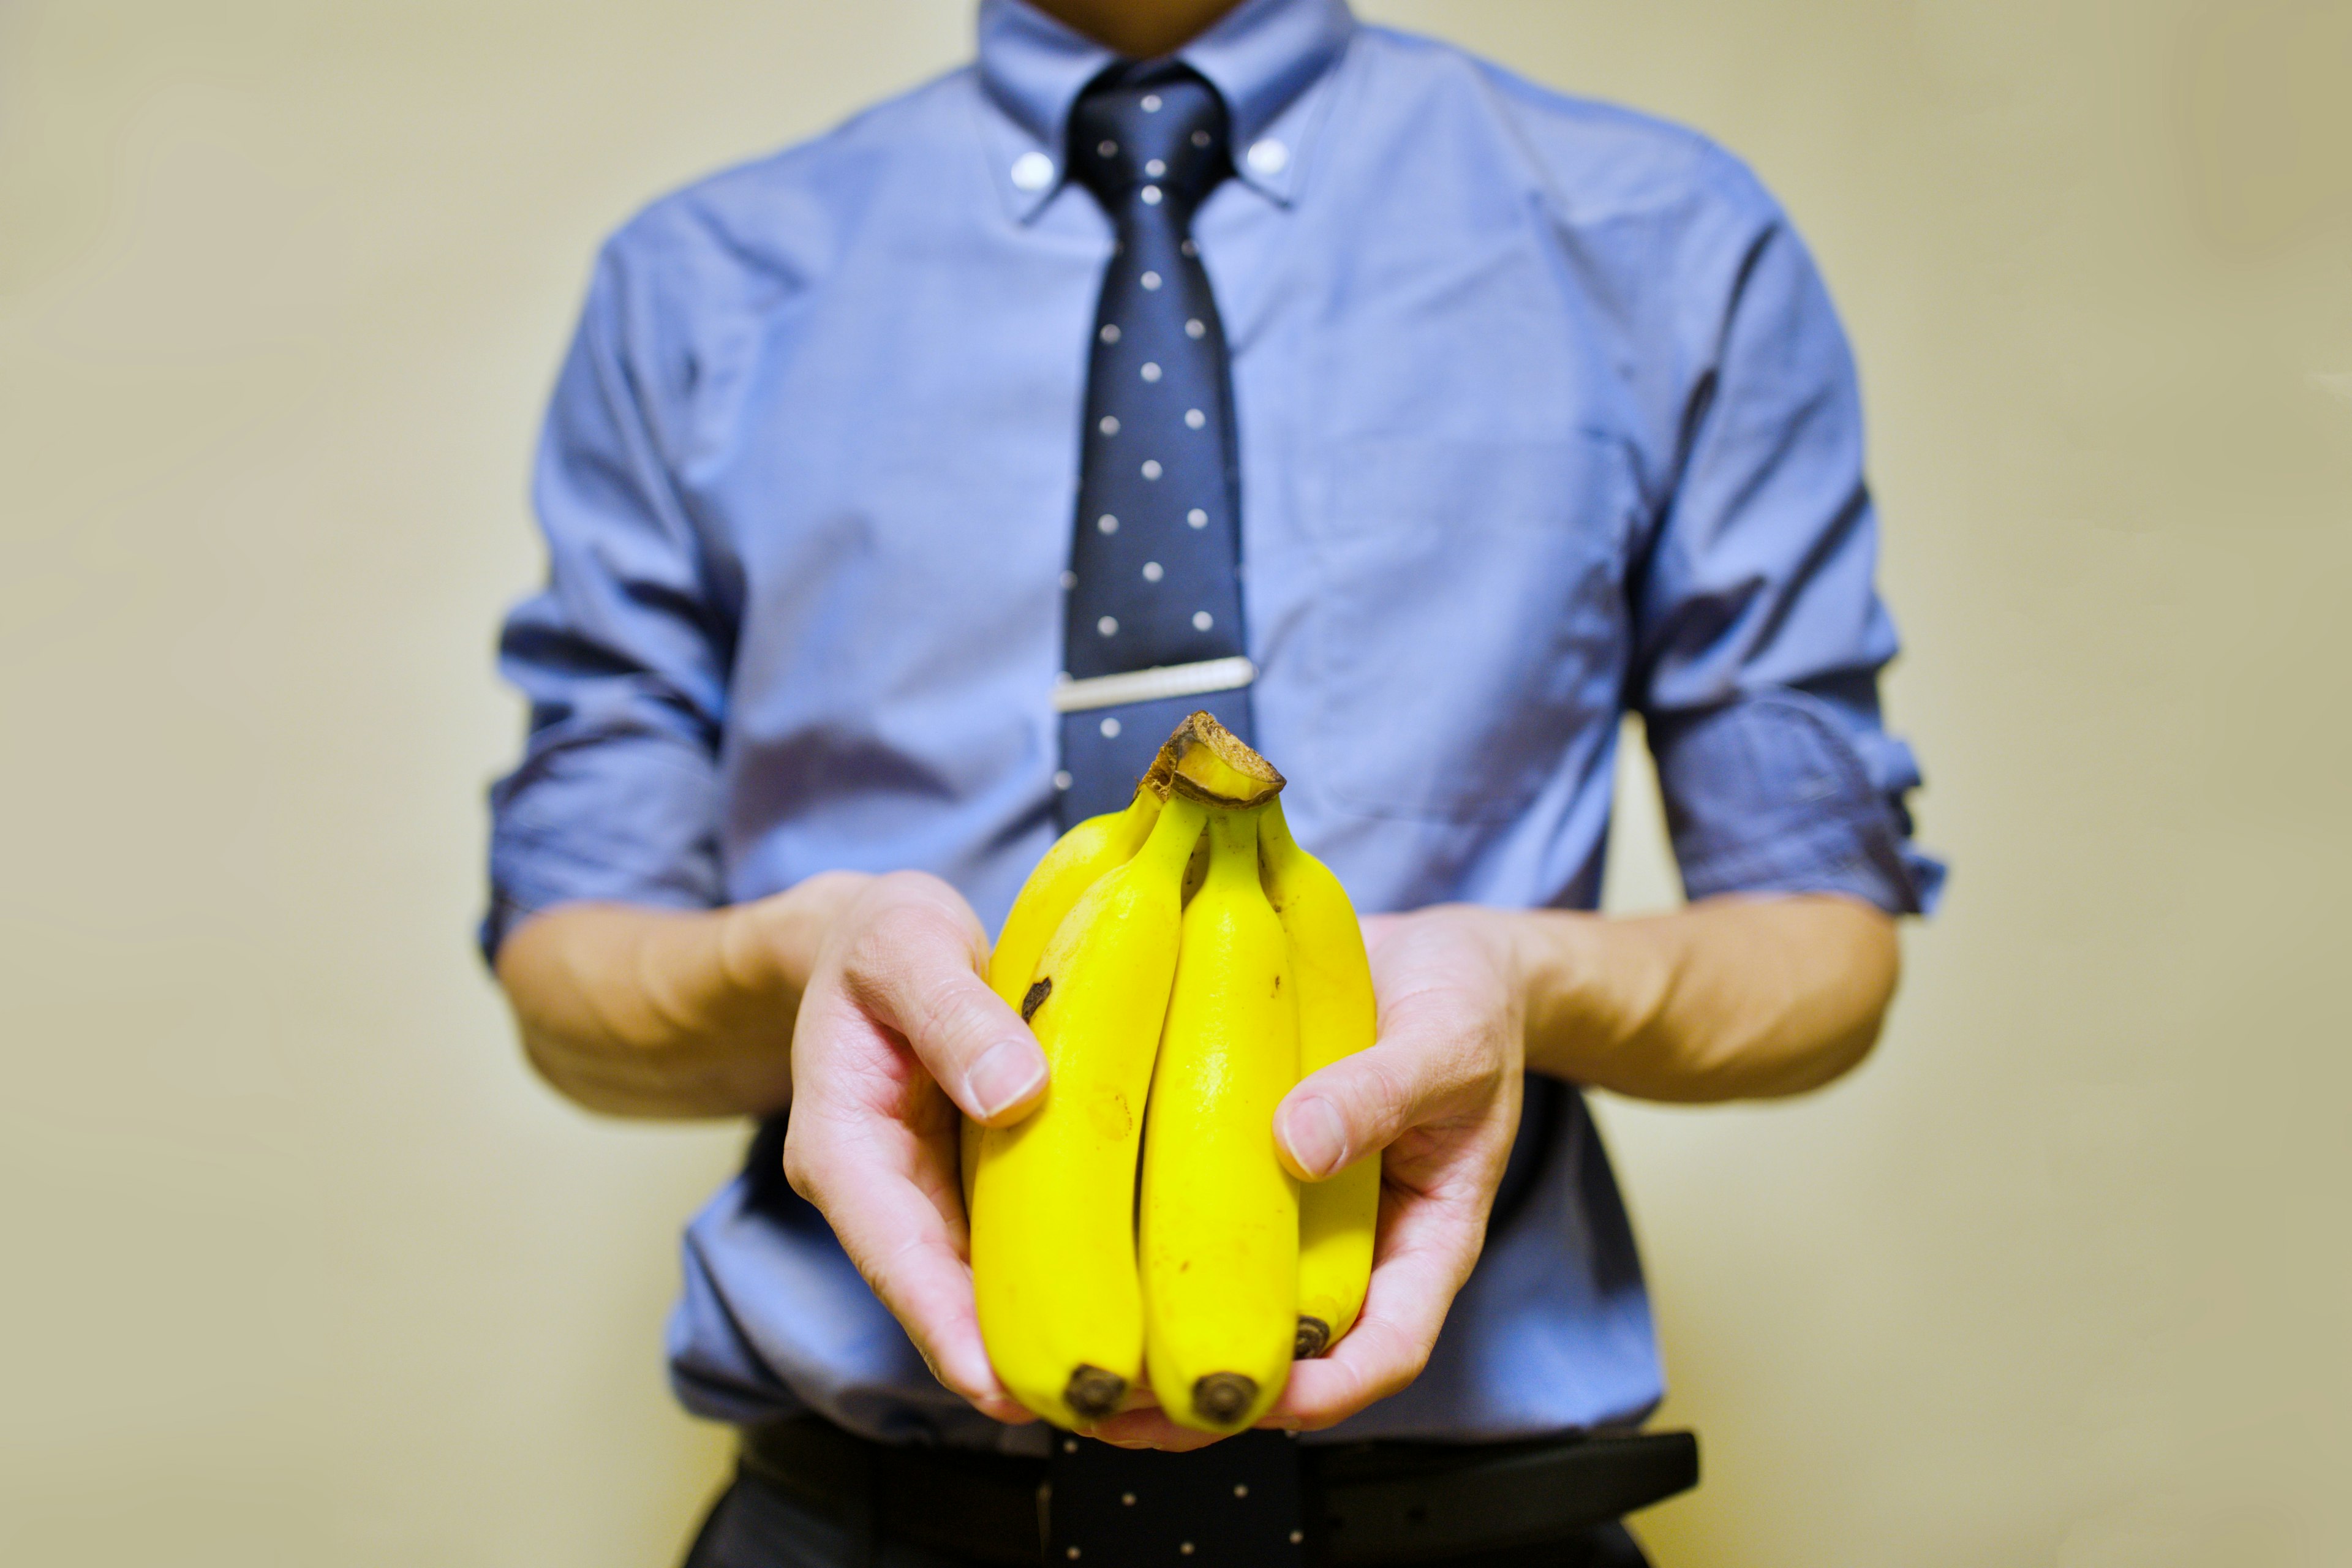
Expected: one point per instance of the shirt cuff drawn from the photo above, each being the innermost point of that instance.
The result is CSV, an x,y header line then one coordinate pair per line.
x,y
627,819
1780,792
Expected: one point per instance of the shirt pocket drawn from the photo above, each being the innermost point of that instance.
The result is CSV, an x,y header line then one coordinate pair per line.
x,y
1468,617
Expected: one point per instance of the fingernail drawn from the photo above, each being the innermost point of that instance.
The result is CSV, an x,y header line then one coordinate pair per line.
x,y
1311,1131
1006,1074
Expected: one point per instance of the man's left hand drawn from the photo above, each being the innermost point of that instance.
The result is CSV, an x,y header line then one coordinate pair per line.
x,y
1439,1090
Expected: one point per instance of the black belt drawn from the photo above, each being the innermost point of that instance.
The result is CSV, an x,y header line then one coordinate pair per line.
x,y
1370,1503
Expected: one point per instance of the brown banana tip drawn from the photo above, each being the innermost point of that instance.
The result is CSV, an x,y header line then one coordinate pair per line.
x,y
1035,998
1094,1394
1224,1397
1216,767
1314,1338
1157,777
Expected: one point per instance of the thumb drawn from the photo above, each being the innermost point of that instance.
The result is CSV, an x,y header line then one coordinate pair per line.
x,y
1429,1061
975,1046
915,974
1355,1106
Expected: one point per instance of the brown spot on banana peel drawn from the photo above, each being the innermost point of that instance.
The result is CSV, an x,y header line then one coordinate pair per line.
x,y
1216,767
1314,1338
1224,1397
1035,998
1094,1392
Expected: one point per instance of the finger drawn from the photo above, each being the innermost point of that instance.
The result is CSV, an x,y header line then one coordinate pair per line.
x,y
1428,1246
1425,1066
1150,1428
917,971
888,1190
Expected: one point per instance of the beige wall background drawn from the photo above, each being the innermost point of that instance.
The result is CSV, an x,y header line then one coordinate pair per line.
x,y
303,1267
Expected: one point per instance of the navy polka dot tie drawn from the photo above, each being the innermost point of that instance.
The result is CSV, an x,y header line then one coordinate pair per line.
x,y
1152,595
1154,631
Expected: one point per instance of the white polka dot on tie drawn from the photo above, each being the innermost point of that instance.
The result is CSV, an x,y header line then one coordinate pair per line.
x,y
1106,523
1189,249
1111,729
1197,518
1152,572
1196,328
1297,1536
1150,468
1195,418
1151,371
1202,620
1200,139
1150,280
1151,194
1151,104
1111,331
1107,149
1155,168
1061,778
1185,1547
1126,1499
1109,426
1241,1488
1108,626
1069,580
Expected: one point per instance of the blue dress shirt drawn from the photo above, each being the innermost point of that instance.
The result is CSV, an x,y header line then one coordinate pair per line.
x,y
1543,414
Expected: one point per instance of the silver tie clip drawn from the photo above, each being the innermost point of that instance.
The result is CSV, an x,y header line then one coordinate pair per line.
x,y
1149,685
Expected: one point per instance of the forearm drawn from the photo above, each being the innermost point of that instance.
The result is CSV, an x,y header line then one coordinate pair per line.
x,y
1726,999
661,1013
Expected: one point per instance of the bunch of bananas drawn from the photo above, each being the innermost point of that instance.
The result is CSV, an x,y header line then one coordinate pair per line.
x,y
1182,963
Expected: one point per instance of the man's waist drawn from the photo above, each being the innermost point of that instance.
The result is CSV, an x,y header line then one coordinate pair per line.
x,y
1369,1503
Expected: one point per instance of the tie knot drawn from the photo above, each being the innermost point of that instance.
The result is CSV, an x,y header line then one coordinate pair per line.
x,y
1151,134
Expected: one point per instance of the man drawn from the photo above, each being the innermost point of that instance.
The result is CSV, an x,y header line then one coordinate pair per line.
x,y
1421,421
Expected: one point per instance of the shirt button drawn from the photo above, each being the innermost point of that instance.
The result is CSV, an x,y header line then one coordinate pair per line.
x,y
1267,157
1035,171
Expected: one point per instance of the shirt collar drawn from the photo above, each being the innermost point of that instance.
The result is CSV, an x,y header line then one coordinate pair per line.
x,y
1265,57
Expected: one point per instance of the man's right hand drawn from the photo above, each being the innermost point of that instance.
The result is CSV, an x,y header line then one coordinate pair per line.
x,y
897,1030
859,1001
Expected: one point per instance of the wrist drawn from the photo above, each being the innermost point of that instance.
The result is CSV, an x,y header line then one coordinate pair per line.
x,y
769,946
1574,989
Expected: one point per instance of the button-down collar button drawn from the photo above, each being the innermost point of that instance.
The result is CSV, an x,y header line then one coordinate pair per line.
x,y
1268,157
1035,171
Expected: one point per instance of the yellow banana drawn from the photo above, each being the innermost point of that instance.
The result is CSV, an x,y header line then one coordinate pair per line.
x,y
1198,871
1076,862
1220,1214
1078,859
1335,1018
1053,1243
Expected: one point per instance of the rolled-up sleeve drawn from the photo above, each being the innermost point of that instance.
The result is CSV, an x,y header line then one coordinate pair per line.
x,y
623,653
1759,630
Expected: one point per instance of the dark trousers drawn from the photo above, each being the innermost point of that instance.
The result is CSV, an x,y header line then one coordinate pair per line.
x,y
756,1524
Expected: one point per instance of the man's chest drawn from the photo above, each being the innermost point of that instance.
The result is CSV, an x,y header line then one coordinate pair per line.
x,y
1436,521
